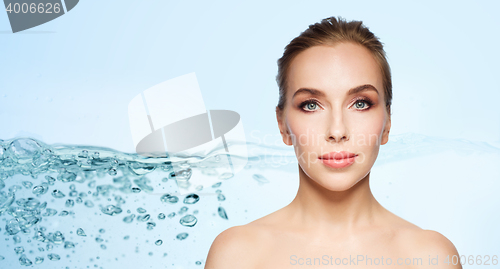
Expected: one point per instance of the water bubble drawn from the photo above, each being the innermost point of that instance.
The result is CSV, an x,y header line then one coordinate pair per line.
x,y
222,212
183,210
188,221
161,216
191,198
24,149
221,197
226,176
14,188
198,263
27,184
53,257
49,247
169,198
17,239
23,260
79,200
126,237
2,258
56,238
216,185
195,212
89,203
12,227
40,189
260,178
38,260
182,236
103,246
70,203
50,180
129,219
141,210
150,225
171,215
158,242
184,174
143,218
49,212
69,244
111,210
80,232
102,230
136,190
73,194
67,176
64,213
57,194
19,250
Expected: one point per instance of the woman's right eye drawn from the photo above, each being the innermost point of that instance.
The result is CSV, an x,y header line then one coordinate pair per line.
x,y
309,105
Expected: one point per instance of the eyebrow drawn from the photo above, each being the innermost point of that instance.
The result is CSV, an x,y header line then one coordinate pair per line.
x,y
319,93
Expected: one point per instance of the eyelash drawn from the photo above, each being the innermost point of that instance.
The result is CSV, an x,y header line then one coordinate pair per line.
x,y
314,101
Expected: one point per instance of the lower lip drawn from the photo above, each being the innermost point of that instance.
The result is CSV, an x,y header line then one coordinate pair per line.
x,y
339,163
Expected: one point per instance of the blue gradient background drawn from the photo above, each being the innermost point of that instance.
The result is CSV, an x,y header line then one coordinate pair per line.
x,y
70,80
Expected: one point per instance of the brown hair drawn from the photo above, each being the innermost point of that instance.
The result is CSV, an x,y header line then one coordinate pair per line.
x,y
331,31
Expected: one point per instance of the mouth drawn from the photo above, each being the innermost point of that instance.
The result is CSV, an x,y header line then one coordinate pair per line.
x,y
338,155
338,159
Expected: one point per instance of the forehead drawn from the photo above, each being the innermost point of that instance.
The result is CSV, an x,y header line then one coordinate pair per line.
x,y
334,70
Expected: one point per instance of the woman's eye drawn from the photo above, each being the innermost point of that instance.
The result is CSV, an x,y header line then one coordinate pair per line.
x,y
361,104
310,105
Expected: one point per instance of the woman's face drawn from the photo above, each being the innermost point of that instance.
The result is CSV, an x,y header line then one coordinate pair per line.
x,y
335,102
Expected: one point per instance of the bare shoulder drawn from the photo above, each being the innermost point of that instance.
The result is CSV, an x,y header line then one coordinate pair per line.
x,y
236,247
432,247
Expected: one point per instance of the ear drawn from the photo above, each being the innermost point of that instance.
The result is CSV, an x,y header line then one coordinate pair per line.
x,y
385,135
285,134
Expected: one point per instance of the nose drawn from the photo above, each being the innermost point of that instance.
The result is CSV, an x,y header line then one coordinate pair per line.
x,y
336,128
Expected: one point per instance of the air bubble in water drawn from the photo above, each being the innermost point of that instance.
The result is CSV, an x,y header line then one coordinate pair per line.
x,y
129,219
23,260
38,260
191,198
158,242
57,194
111,210
222,212
80,232
226,176
182,236
53,257
161,216
188,221
169,198
260,178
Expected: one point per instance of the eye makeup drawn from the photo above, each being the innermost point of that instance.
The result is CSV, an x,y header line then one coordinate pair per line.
x,y
359,100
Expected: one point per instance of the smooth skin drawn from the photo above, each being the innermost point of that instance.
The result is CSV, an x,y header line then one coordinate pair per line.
x,y
334,214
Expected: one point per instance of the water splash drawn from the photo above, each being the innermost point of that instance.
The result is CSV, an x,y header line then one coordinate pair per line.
x,y
38,181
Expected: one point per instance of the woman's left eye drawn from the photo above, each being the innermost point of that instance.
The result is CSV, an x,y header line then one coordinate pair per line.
x,y
362,104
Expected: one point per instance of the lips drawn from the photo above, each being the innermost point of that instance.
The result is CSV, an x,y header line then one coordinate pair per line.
x,y
337,155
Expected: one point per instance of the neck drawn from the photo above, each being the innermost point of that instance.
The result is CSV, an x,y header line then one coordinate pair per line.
x,y
321,209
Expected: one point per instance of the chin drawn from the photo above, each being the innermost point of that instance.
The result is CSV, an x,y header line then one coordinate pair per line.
x,y
337,184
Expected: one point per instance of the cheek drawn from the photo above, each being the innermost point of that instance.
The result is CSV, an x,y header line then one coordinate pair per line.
x,y
304,130
369,133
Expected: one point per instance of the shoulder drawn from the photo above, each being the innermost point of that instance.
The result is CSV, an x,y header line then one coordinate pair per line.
x,y
432,247
236,247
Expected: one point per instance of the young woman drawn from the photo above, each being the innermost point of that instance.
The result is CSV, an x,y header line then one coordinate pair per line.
x,y
335,109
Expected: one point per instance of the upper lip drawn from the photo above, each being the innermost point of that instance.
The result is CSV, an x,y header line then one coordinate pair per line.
x,y
338,155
